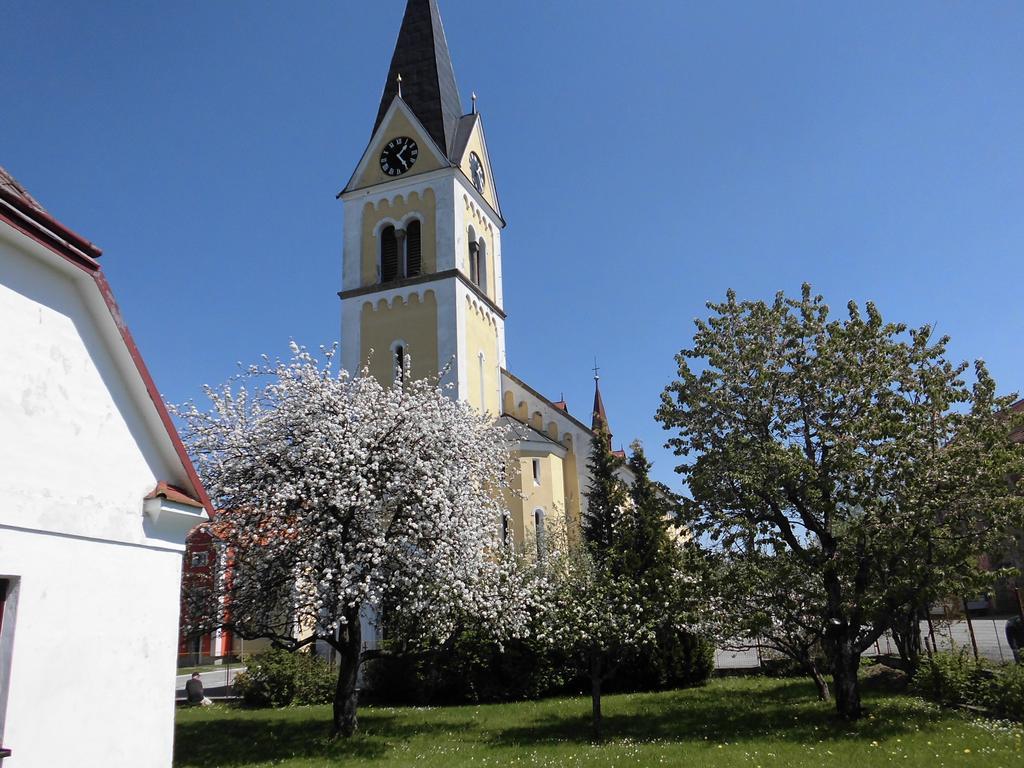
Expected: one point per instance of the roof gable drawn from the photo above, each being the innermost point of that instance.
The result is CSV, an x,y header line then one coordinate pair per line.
x,y
469,141
23,214
399,121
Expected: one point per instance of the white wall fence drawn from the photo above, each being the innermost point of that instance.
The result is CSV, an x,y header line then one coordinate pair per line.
x,y
990,635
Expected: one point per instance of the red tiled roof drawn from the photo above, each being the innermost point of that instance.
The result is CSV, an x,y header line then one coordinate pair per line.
x,y
169,492
11,185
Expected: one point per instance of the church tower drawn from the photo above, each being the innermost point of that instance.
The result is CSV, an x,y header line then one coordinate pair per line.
x,y
422,254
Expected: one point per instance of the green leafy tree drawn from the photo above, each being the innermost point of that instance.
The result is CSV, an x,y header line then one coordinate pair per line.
x,y
856,442
764,594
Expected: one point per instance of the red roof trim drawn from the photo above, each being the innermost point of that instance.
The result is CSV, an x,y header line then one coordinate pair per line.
x,y
51,223
26,220
47,231
154,393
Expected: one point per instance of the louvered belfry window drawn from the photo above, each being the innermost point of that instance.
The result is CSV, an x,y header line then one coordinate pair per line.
x,y
413,249
474,261
388,255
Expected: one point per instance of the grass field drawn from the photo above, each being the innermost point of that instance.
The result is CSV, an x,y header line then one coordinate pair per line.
x,y
731,722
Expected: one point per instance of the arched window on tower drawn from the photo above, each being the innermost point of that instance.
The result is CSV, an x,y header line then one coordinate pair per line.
x,y
474,257
400,362
413,249
388,254
481,269
538,520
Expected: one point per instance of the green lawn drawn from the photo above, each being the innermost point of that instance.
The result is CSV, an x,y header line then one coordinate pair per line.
x,y
731,722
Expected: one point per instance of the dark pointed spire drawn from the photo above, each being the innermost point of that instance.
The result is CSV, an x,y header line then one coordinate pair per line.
x,y
600,418
428,78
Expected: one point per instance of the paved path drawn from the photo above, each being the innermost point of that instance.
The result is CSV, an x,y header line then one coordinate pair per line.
x,y
990,635
215,683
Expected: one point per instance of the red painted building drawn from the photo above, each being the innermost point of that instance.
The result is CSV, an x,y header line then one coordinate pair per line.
x,y
204,567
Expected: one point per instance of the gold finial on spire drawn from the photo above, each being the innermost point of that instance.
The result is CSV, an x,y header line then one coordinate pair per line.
x,y
474,102
399,86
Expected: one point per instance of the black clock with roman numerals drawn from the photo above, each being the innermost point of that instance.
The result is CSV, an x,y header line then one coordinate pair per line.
x,y
399,156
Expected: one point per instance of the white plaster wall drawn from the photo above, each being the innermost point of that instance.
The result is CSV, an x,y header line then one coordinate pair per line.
x,y
92,668
446,225
451,336
351,334
77,455
352,254
93,662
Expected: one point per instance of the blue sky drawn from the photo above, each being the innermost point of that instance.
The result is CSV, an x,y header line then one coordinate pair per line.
x,y
649,156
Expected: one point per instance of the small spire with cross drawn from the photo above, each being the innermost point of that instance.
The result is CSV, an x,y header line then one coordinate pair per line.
x,y
597,371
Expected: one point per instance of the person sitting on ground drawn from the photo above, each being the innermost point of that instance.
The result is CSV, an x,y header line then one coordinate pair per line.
x,y
194,692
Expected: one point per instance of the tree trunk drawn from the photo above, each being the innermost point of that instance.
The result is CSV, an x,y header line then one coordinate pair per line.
x,y
819,680
906,634
845,666
840,635
346,694
595,694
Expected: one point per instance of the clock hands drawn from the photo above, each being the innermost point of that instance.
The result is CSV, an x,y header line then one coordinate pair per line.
x,y
399,156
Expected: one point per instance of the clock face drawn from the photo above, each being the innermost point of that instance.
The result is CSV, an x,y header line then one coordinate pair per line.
x,y
476,171
399,156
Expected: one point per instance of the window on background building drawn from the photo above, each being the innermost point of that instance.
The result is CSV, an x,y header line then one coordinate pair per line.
x,y
536,471
200,559
388,255
504,528
538,520
413,249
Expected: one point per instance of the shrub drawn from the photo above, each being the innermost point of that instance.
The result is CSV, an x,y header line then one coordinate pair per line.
x,y
476,669
269,680
315,680
680,660
472,669
952,678
1004,694
277,678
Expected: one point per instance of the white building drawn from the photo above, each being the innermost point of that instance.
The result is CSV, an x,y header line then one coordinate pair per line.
x,y
96,496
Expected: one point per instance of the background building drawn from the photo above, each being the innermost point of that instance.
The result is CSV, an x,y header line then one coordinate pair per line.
x,y
422,287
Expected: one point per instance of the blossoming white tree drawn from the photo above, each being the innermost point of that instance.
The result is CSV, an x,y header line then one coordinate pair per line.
x,y
603,617
340,495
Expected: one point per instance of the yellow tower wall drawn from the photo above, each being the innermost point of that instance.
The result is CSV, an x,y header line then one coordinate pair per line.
x,y
482,336
413,321
484,230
